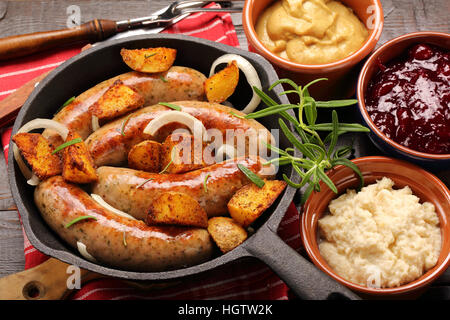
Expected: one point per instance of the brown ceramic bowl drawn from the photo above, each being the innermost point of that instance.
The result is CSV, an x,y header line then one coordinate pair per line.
x,y
341,74
385,53
422,183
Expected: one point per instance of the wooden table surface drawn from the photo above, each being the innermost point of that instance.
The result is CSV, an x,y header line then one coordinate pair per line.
x,y
401,16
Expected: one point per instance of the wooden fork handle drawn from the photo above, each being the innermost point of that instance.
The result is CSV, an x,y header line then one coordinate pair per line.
x,y
22,45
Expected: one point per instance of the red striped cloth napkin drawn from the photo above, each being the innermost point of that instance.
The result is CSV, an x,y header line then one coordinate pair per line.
x,y
247,279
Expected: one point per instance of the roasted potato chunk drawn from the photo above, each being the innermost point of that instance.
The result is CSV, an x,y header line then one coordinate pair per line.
x,y
181,153
249,202
220,86
118,100
176,208
78,166
37,152
151,60
226,233
145,156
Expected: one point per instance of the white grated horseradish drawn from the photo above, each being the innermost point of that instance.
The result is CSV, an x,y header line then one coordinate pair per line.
x,y
380,236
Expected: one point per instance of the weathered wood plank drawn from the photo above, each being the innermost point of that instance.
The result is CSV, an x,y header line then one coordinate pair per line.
x,y
11,243
6,200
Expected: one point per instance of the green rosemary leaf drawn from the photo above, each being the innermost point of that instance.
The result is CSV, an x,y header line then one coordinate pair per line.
x,y
150,55
343,152
286,81
306,194
251,176
166,167
328,137
347,127
306,177
327,180
316,150
76,220
334,133
124,123
336,103
205,187
264,97
279,161
270,110
275,149
302,134
311,83
288,92
66,144
236,115
170,105
351,165
293,139
69,101
289,118
290,183
311,112
143,183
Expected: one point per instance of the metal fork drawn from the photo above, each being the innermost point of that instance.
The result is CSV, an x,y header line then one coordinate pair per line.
x,y
174,12
101,29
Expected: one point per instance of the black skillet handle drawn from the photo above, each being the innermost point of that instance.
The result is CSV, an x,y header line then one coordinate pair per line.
x,y
300,275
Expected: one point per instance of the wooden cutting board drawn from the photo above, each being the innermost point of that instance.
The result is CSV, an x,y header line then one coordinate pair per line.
x,y
10,106
52,280
47,281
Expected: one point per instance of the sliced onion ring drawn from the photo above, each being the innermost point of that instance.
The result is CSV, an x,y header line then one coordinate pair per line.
x,y
45,124
61,129
196,126
107,206
226,149
95,124
83,251
250,74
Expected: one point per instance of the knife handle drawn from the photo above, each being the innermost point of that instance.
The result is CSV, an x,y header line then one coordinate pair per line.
x,y
22,45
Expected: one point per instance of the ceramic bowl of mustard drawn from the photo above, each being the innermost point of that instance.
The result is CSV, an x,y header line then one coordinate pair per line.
x,y
373,85
424,185
315,39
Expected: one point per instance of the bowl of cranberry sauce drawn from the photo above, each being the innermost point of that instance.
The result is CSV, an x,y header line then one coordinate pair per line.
x,y
404,98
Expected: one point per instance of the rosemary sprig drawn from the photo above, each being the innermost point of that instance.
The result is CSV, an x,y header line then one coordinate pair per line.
x,y
318,155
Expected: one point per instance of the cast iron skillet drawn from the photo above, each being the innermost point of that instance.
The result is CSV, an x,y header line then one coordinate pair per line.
x,y
102,62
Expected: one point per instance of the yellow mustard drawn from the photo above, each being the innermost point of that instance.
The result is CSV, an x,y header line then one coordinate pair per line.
x,y
311,31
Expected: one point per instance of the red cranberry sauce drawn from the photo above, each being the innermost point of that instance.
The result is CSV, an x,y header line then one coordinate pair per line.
x,y
409,99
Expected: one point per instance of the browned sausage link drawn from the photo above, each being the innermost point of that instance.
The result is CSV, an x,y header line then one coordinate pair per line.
x,y
121,187
178,83
108,146
117,241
